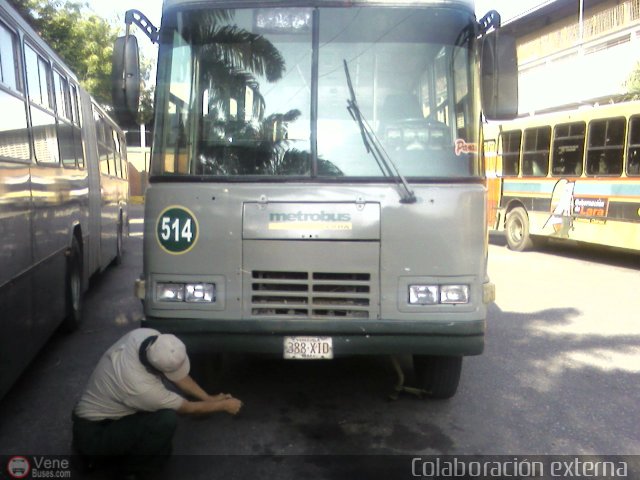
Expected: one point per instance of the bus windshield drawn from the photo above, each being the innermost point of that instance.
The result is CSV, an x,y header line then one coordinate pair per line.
x,y
263,93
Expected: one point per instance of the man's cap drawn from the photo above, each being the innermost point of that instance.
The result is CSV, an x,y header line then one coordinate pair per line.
x,y
169,355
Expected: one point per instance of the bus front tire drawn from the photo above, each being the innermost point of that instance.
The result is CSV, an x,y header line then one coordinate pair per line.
x,y
73,288
119,245
517,230
438,376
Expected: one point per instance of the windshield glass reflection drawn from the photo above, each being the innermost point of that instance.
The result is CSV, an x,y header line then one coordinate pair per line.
x,y
238,90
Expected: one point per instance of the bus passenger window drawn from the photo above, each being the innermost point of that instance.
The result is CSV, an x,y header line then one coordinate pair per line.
x,y
535,157
511,152
568,149
633,154
8,58
606,147
38,73
14,135
634,161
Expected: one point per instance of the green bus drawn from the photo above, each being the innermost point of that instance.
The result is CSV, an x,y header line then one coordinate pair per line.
x,y
316,183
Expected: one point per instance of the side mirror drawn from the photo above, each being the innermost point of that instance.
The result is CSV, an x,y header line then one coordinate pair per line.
x,y
499,76
125,80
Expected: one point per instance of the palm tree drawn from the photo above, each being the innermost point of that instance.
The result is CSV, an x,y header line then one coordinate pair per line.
x,y
230,60
231,57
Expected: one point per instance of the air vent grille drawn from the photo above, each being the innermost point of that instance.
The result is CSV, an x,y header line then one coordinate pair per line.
x,y
310,294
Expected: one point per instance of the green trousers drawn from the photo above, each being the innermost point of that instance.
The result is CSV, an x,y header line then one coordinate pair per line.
x,y
141,442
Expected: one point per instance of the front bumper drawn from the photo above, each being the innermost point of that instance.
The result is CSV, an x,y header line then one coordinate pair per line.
x,y
356,338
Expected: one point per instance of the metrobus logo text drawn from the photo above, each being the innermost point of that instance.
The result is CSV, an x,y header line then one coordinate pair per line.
x,y
322,221
309,217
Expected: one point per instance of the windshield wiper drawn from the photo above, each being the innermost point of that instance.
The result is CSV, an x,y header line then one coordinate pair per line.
x,y
373,145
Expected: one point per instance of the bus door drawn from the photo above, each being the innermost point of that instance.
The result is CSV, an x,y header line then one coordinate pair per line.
x,y
494,182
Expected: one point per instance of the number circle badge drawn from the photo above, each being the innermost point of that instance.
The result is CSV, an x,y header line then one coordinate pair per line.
x,y
177,230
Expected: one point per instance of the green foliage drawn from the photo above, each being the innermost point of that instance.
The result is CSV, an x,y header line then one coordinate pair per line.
x,y
83,40
147,92
633,84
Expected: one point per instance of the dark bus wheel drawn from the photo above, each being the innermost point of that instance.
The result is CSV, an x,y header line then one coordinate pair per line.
x,y
517,230
438,376
73,288
118,259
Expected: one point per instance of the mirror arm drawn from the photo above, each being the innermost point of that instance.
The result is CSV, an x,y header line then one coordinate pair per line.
x,y
140,19
491,19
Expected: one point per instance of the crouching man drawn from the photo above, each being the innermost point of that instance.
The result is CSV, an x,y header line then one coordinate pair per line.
x,y
127,411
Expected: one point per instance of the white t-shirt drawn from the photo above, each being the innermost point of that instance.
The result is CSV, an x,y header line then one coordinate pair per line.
x,y
120,385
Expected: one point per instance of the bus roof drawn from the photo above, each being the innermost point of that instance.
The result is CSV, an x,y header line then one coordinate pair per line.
x,y
584,113
169,4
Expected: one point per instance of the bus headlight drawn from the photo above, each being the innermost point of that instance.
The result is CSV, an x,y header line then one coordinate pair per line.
x,y
200,292
186,292
423,294
454,294
438,294
170,292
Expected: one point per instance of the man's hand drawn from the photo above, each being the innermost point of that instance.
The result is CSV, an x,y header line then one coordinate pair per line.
x,y
232,405
219,397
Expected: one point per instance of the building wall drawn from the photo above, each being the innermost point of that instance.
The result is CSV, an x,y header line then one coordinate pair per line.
x,y
563,65
138,167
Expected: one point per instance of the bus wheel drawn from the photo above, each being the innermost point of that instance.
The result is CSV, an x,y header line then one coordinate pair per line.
x,y
438,376
118,259
517,230
73,288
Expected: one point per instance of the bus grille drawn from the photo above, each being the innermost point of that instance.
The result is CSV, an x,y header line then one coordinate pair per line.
x,y
310,294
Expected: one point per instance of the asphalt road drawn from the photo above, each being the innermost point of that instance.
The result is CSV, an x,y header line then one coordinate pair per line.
x,y
559,376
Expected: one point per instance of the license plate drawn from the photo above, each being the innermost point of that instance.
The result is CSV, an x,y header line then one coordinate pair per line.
x,y
308,348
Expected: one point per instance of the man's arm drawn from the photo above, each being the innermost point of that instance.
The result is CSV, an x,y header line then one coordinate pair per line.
x,y
190,387
230,405
206,403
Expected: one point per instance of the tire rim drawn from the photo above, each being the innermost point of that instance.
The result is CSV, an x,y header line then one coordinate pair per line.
x,y
516,231
119,240
75,290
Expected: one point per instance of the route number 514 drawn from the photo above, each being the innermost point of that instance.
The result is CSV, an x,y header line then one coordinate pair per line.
x,y
177,230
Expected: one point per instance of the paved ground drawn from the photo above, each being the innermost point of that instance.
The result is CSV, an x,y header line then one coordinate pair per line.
x,y
559,376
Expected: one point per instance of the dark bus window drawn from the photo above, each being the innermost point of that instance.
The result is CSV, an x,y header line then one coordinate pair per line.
x,y
77,132
511,152
110,146
118,155
535,157
606,147
65,140
77,144
37,78
633,154
568,149
103,153
61,90
8,64
123,156
75,107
